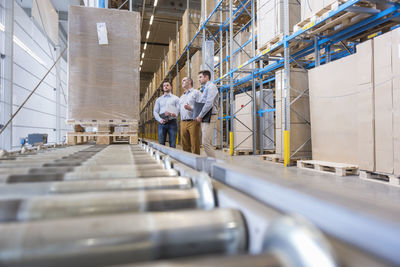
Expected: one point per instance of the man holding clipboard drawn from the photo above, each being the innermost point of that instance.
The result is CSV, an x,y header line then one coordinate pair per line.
x,y
166,109
206,111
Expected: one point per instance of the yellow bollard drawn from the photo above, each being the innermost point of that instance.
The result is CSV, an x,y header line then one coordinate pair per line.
x,y
286,148
230,143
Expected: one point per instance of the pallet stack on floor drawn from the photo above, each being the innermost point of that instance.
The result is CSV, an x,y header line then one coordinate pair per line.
x,y
355,110
103,90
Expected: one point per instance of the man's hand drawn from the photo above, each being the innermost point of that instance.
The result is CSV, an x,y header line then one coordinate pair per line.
x,y
167,113
188,107
162,121
198,119
172,114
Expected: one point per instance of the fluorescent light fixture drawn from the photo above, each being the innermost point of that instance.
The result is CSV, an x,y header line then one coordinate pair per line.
x,y
143,55
151,19
145,46
155,3
18,42
148,34
140,68
141,62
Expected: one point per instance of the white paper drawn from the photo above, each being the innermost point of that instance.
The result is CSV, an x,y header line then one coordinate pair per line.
x,y
102,33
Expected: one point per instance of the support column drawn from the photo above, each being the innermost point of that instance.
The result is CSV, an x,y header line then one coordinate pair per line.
x,y
58,97
253,81
221,94
7,74
230,68
286,84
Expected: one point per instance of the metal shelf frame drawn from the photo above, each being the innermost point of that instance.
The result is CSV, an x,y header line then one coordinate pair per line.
x,y
281,55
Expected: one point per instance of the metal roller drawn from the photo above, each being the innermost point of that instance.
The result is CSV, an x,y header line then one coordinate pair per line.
x,y
68,187
105,240
38,170
262,260
48,177
88,204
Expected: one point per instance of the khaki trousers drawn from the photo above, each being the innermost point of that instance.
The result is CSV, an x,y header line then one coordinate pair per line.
x,y
190,136
207,130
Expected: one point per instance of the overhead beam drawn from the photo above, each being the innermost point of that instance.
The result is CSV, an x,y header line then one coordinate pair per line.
x,y
155,44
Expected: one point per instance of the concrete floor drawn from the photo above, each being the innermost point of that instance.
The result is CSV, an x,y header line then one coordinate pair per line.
x,y
368,197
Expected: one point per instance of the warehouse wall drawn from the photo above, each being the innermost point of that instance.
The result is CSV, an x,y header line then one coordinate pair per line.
x,y
33,55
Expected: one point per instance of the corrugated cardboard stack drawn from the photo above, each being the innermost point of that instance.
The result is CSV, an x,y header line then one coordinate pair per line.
x,y
355,112
300,130
103,79
195,68
270,12
191,25
243,54
171,53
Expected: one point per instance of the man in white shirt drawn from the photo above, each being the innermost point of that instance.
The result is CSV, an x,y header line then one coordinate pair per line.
x,y
210,100
165,114
190,128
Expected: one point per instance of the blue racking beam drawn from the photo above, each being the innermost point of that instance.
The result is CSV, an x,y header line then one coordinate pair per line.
x,y
366,25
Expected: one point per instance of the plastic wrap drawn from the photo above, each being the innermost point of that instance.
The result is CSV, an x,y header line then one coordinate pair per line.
x,y
192,25
103,79
270,12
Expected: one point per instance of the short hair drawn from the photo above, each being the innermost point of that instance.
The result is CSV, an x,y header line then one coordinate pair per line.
x,y
167,82
206,73
191,80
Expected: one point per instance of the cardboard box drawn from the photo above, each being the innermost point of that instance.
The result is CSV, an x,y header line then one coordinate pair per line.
x,y
103,79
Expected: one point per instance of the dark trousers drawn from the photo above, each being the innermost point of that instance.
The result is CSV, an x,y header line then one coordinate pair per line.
x,y
170,128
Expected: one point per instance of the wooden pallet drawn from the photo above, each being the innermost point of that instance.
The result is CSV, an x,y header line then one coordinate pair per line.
x,y
277,159
340,169
95,123
101,138
271,42
380,177
335,23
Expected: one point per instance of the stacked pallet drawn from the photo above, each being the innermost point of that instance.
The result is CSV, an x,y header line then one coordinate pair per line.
x,y
171,54
243,54
300,131
270,12
103,90
190,26
355,108
243,125
195,69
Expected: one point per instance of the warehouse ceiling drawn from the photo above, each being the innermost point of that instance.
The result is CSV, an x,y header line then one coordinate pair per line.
x,y
166,14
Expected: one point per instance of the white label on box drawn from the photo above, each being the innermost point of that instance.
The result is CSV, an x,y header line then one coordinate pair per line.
x,y
102,33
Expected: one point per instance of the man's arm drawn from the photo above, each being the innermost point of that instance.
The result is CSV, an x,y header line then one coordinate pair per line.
x,y
211,94
157,111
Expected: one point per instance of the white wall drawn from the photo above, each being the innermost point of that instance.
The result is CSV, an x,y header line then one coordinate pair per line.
x,y
39,114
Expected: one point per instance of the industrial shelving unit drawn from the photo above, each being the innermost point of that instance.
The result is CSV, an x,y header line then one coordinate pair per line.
x,y
316,41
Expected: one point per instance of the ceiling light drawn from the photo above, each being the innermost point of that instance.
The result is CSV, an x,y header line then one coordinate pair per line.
x,y
148,34
143,55
145,46
155,3
140,68
151,19
141,62
23,46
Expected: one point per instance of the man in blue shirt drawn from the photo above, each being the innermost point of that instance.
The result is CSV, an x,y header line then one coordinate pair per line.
x,y
166,109
210,100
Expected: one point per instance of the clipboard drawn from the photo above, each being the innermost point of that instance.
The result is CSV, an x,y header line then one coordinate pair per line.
x,y
197,109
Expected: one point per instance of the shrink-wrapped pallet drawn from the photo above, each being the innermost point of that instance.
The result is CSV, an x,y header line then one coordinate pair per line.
x,y
103,78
